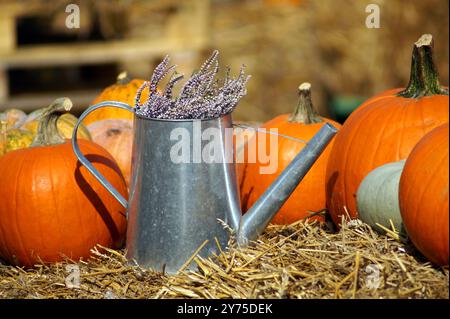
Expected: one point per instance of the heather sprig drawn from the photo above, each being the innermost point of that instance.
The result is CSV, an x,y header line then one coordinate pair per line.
x,y
201,97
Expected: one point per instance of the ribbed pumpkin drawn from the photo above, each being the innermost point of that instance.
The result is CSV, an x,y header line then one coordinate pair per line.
x,y
385,129
17,138
123,91
423,195
23,135
116,136
377,198
51,205
309,196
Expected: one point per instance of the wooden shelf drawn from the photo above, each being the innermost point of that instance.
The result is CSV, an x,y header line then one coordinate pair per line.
x,y
28,102
91,53
186,30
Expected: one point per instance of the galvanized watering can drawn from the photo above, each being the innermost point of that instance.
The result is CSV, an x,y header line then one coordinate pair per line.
x,y
174,207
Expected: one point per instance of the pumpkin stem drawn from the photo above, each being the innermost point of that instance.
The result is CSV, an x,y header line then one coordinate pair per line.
x,y
123,78
424,79
48,133
304,112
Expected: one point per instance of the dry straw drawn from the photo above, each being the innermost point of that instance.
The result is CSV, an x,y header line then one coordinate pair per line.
x,y
302,260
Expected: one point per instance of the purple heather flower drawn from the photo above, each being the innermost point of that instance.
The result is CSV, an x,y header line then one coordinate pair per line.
x,y
201,96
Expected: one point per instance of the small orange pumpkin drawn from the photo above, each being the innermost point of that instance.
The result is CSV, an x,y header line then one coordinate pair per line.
x,y
309,196
123,91
385,129
116,136
52,206
423,195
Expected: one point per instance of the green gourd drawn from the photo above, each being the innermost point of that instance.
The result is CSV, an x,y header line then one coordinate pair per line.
x,y
377,198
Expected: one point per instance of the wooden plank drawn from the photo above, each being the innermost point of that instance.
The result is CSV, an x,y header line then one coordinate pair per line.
x,y
91,53
29,102
18,8
8,34
4,86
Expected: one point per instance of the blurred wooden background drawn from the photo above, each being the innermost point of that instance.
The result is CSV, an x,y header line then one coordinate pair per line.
x,y
282,43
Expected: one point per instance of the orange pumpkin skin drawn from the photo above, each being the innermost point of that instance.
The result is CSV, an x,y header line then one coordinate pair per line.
x,y
53,207
423,195
241,137
123,91
383,129
309,196
116,136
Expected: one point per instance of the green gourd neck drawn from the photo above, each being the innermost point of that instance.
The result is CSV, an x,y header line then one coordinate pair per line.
x,y
424,79
304,112
48,133
123,78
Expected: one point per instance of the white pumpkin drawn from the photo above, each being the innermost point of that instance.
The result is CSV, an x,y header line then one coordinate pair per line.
x,y
377,198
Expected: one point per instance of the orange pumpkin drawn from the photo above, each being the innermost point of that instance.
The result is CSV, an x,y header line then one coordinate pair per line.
x,y
385,129
123,91
309,196
116,136
423,195
51,205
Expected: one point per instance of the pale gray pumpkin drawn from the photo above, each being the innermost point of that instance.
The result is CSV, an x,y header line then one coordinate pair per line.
x,y
377,197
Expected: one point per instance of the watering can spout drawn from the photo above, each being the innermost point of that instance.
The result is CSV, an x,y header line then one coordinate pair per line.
x,y
253,223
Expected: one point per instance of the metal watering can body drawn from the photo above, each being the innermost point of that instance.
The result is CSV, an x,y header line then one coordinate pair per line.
x,y
182,191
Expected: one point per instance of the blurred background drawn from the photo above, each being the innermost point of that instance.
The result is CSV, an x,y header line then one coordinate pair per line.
x,y
282,42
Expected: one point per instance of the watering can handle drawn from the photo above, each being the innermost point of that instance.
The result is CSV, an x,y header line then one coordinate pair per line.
x,y
83,160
